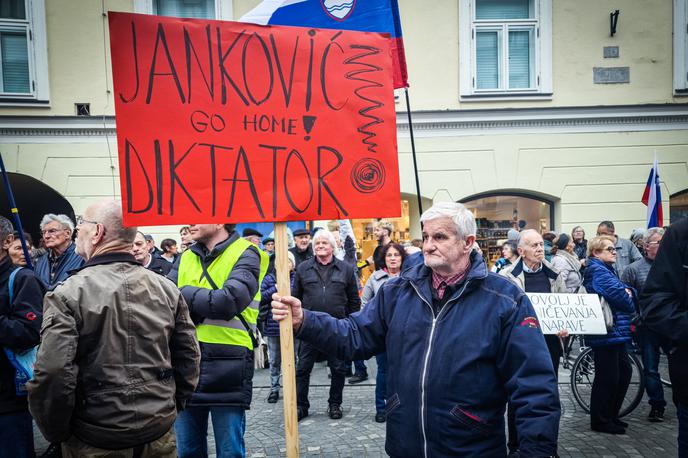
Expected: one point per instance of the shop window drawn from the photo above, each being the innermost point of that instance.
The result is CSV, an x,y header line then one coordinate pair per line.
x,y
363,230
678,206
496,214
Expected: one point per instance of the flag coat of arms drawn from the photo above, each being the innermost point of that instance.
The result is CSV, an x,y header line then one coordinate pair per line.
x,y
380,16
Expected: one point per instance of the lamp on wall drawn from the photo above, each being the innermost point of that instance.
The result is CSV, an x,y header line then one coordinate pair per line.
x,y
613,19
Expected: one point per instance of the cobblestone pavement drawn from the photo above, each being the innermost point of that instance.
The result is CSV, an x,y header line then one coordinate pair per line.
x,y
357,434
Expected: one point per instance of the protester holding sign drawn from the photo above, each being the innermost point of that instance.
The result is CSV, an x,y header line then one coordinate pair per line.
x,y
533,274
20,322
442,401
219,276
612,369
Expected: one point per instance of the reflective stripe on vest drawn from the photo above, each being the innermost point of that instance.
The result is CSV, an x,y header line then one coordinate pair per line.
x,y
226,332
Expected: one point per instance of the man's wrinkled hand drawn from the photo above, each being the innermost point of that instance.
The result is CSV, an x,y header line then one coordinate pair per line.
x,y
281,306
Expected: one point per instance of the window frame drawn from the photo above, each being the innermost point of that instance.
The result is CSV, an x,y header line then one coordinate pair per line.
x,y
541,64
224,9
680,42
37,50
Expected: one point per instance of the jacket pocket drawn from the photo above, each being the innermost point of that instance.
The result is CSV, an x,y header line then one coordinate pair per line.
x,y
392,403
472,421
225,370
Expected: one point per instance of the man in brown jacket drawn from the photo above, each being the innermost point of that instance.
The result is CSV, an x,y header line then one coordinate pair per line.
x,y
119,355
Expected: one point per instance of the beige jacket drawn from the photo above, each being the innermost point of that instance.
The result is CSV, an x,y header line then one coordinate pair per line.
x,y
515,273
118,356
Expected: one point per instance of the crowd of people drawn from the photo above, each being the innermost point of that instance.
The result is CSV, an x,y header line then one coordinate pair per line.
x,y
137,348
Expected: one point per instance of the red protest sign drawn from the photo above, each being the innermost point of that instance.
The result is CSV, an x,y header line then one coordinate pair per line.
x,y
229,122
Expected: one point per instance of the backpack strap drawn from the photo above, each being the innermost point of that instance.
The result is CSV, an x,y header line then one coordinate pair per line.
x,y
10,283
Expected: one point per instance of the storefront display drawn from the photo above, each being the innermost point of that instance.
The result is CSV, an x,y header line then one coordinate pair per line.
x,y
496,214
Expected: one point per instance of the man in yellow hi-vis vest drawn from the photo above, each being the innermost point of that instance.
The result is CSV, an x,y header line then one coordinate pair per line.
x,y
220,277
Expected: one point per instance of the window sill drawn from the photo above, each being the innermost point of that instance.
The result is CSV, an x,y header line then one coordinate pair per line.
x,y
502,97
8,102
681,92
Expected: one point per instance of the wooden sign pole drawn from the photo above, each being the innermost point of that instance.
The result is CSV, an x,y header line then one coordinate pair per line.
x,y
291,427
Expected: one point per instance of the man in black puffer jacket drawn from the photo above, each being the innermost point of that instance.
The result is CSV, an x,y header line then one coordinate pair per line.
x,y
664,308
324,284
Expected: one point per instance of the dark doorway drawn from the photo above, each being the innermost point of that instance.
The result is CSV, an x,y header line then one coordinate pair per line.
x,y
34,199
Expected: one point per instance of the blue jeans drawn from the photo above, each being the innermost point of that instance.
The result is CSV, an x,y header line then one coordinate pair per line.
x,y
229,424
381,383
682,414
275,360
16,435
651,343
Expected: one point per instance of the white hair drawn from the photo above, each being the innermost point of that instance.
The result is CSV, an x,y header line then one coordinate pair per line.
x,y
524,234
64,220
463,219
327,235
652,231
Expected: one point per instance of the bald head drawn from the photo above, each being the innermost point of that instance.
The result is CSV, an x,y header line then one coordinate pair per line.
x,y
109,214
531,248
101,230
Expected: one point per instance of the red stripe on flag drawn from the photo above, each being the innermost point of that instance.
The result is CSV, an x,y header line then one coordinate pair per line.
x,y
398,62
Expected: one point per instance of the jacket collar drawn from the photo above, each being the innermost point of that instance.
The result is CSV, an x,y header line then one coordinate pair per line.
x,y
421,276
6,264
109,258
336,263
594,261
547,268
201,251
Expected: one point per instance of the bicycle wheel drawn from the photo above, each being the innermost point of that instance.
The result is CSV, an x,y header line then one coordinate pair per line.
x,y
583,374
664,370
636,388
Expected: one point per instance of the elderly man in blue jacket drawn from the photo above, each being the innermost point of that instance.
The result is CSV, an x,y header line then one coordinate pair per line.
x,y
460,343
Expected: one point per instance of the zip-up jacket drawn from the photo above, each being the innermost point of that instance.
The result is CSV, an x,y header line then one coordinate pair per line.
x,y
20,324
65,263
664,302
337,295
602,280
451,375
236,267
118,356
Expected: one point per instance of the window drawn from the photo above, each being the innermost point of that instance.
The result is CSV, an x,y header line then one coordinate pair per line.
x,y
23,57
681,47
200,9
505,48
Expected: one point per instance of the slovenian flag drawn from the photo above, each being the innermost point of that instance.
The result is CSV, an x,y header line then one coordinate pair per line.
x,y
362,15
652,197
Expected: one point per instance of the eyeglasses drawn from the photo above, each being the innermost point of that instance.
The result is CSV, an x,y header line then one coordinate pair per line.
x,y
654,242
80,220
51,232
611,249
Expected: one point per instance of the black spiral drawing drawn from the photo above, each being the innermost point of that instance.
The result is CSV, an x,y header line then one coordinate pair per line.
x,y
368,175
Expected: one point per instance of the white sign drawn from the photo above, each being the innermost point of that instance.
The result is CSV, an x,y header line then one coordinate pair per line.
x,y
577,313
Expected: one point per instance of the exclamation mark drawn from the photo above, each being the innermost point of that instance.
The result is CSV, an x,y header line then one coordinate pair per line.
x,y
308,122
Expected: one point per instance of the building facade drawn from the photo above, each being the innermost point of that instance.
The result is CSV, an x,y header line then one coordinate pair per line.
x,y
535,113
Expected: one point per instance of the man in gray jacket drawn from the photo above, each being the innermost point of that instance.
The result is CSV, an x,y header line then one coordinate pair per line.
x,y
650,342
626,251
119,356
